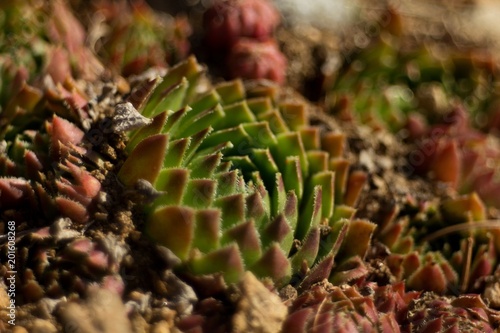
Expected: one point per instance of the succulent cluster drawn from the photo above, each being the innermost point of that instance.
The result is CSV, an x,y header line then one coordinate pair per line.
x,y
388,308
242,31
438,100
42,38
57,260
457,154
245,189
244,180
465,254
131,38
389,80
44,164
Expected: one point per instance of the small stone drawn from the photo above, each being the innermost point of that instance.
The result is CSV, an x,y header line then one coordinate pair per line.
x,y
127,118
42,326
4,297
103,311
180,295
492,294
258,309
161,327
139,324
365,159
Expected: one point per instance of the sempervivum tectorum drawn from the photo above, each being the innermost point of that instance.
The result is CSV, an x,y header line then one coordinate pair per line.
x,y
226,21
42,164
373,308
455,153
385,79
251,59
464,256
56,260
135,38
238,179
43,37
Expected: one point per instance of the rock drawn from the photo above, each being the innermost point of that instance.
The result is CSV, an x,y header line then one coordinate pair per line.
x,y
42,326
161,327
102,312
492,293
258,309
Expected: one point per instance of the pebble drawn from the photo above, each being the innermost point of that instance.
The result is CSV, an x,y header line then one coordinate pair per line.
x,y
42,326
161,327
258,309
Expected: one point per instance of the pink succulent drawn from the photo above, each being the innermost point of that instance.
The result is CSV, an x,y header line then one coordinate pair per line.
x,y
251,59
461,156
229,20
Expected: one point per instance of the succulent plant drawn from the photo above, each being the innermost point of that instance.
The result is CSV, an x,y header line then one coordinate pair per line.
x,y
465,253
239,180
135,38
226,21
251,59
45,165
57,260
457,154
389,80
389,308
42,38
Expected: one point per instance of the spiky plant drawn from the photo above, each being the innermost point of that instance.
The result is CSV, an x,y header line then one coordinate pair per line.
x,y
227,21
42,38
390,79
239,180
131,37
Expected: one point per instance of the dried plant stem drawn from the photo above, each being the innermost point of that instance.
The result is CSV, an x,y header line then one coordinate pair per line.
x,y
466,267
485,224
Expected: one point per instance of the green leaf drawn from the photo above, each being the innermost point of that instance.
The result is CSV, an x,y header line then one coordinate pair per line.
x,y
236,114
172,227
231,91
294,114
206,102
233,209
274,264
145,161
357,240
256,209
326,180
226,261
200,193
204,166
173,182
206,236
293,176
290,144
318,161
175,153
247,238
279,231
236,135
259,105
278,196
276,122
194,123
169,99
311,214
308,251
311,138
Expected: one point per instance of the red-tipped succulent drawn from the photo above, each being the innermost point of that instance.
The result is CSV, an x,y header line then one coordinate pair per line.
x,y
250,59
226,21
465,158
